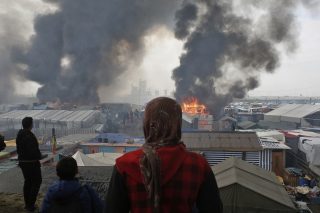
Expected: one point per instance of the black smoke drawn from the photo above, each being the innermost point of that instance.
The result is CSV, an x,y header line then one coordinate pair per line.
x,y
96,39
228,37
85,44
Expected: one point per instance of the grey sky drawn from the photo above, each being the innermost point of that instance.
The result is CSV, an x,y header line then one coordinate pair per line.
x,y
299,73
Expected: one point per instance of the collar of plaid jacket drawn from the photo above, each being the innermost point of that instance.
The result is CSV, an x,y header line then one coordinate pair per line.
x,y
171,159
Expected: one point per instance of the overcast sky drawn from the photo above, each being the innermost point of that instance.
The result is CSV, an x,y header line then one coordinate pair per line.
x,y
298,74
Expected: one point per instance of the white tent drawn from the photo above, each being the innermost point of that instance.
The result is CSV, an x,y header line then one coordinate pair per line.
x,y
311,147
83,160
108,159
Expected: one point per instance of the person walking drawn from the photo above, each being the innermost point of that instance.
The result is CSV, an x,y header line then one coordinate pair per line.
x,y
29,157
162,176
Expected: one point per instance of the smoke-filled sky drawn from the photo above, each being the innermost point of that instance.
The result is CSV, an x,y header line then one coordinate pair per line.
x,y
75,48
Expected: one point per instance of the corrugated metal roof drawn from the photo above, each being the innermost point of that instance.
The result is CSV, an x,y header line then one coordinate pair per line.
x,y
291,112
273,145
227,141
278,136
54,115
283,109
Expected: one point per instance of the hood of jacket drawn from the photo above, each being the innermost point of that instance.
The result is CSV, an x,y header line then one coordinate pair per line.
x,y
64,189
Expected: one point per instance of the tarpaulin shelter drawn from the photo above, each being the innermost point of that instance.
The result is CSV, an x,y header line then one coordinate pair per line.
x,y
248,188
311,147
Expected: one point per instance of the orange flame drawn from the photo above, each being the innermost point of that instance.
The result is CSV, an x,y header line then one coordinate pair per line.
x,y
193,106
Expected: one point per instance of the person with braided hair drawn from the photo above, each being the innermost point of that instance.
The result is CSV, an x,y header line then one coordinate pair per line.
x,y
162,176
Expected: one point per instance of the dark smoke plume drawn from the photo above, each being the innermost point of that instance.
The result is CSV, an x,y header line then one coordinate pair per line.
x,y
88,43
185,20
225,39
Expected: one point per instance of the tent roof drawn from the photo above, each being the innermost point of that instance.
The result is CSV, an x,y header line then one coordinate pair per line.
x,y
225,118
51,115
236,171
291,112
246,124
279,136
83,160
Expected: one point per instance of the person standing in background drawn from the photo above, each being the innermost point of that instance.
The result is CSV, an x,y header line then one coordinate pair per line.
x,y
29,157
2,143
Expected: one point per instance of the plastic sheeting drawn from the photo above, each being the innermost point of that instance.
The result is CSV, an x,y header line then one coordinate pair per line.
x,y
248,188
239,199
311,147
83,160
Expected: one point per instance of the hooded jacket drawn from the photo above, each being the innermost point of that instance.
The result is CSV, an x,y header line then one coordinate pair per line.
x,y
66,189
27,146
186,182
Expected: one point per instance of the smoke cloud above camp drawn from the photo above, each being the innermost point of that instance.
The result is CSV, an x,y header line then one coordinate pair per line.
x,y
228,44
87,44
84,45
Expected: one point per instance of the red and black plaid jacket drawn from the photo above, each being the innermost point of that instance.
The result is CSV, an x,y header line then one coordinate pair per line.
x,y
183,174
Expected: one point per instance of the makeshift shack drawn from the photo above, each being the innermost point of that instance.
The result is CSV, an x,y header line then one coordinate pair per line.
x,y
248,188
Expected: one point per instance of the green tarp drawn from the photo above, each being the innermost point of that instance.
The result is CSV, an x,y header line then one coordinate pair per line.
x,y
249,188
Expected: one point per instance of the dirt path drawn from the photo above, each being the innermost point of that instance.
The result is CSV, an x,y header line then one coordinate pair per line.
x,y
13,203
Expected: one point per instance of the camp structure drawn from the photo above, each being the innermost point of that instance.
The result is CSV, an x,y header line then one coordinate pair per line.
x,y
83,160
248,188
108,159
292,116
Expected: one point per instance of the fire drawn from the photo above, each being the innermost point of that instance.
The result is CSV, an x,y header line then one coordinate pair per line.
x,y
193,106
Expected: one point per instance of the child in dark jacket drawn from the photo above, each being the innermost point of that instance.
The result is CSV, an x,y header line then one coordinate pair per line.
x,y
68,190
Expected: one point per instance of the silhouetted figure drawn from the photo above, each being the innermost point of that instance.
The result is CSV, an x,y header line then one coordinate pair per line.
x,y
136,113
131,116
67,195
162,176
2,143
28,157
